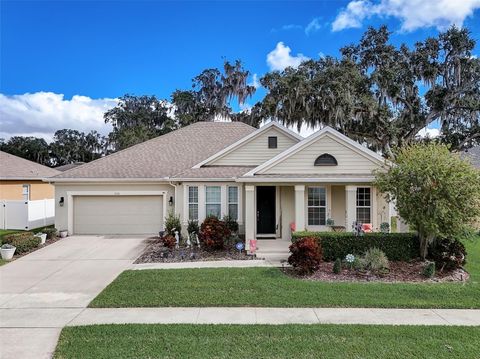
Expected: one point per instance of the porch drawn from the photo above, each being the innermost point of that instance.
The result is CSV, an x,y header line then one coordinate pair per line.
x,y
273,210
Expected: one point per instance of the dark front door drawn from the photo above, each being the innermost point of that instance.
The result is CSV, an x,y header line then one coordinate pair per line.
x,y
265,210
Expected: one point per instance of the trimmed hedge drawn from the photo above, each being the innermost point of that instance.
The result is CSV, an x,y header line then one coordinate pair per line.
x,y
397,246
23,241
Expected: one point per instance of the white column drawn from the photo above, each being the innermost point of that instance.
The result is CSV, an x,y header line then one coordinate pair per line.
x,y
374,204
249,215
224,199
201,203
350,206
300,207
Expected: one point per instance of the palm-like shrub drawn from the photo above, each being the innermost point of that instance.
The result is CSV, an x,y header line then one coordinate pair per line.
x,y
375,260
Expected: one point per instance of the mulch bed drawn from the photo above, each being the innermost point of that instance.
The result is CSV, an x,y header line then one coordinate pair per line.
x,y
156,252
399,272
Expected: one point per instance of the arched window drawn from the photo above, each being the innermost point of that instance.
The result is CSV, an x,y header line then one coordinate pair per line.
x,y
326,160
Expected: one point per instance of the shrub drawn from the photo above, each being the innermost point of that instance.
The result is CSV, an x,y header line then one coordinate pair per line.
x,y
384,227
193,227
375,260
306,255
172,224
23,241
51,232
213,233
231,223
169,241
448,254
337,266
429,269
396,246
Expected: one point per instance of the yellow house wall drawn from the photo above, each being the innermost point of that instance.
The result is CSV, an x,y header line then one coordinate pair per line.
x,y
12,190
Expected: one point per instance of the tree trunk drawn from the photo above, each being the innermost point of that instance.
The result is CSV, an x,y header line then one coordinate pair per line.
x,y
424,242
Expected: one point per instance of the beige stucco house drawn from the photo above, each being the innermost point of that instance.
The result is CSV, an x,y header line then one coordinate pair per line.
x,y
267,178
21,179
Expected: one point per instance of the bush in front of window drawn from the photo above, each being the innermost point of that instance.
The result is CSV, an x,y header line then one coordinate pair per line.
x,y
214,233
306,255
231,223
396,246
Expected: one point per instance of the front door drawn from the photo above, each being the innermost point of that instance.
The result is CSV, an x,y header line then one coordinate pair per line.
x,y
266,210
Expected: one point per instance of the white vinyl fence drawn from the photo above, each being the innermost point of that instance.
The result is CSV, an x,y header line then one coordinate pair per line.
x,y
27,215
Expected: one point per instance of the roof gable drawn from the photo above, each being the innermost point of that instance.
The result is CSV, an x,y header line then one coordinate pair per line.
x,y
252,150
300,159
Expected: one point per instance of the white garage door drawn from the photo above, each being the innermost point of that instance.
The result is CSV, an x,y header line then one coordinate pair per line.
x,y
117,214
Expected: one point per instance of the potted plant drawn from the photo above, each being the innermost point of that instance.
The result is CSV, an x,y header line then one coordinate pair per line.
x,y
42,236
63,233
7,251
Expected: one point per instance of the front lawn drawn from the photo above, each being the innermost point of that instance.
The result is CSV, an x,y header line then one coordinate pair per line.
x,y
269,287
267,341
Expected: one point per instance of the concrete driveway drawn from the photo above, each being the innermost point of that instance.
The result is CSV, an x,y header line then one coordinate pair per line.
x,y
45,290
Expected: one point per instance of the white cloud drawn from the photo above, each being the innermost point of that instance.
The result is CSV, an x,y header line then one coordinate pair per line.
x,y
280,58
413,14
313,26
255,81
429,132
40,114
288,28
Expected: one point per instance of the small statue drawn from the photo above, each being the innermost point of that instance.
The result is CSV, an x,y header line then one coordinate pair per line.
x,y
189,243
177,240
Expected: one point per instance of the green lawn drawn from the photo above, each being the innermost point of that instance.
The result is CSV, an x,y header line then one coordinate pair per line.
x,y
269,287
267,341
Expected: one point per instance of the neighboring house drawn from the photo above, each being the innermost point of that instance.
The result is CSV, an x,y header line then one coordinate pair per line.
x,y
21,179
267,178
472,155
26,201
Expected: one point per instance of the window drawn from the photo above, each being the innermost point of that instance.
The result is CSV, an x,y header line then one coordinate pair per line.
x,y
193,203
26,192
326,160
233,202
317,206
272,142
363,205
213,201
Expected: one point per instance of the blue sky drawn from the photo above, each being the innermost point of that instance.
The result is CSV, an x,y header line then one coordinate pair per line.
x,y
102,50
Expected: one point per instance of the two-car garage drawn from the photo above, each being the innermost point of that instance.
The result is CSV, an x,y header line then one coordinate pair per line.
x,y
117,214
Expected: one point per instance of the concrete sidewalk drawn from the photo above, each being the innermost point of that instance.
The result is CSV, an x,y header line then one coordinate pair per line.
x,y
247,263
91,316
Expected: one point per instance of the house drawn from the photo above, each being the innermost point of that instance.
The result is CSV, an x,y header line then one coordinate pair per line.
x,y
21,179
267,178
26,201
473,156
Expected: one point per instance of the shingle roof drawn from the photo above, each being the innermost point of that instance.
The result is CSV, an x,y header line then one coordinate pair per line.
x,y
473,155
14,167
216,172
69,166
164,156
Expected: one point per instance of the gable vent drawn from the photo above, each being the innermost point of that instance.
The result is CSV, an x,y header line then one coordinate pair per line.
x,y
326,160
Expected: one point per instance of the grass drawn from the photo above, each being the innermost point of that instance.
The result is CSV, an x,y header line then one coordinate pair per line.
x,y
267,341
269,287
